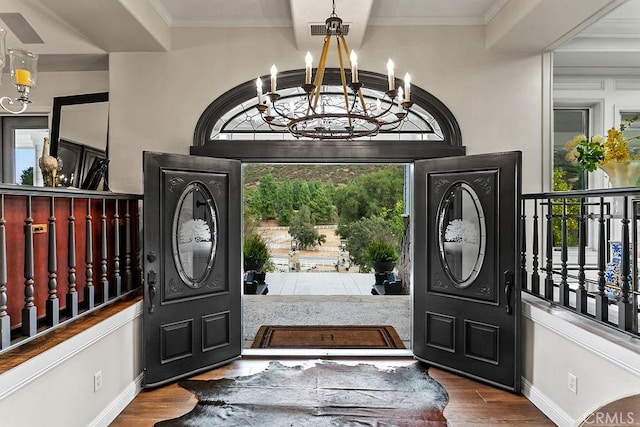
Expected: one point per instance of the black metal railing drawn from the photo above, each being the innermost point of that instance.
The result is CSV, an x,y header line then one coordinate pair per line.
x,y
580,250
63,253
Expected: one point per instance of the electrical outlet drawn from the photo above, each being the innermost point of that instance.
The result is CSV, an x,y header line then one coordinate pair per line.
x,y
97,381
572,383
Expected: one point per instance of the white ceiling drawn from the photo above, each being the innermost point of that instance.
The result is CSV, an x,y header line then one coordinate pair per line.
x,y
78,34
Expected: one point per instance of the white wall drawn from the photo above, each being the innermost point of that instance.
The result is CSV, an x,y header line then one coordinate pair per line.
x,y
52,84
56,387
157,98
558,342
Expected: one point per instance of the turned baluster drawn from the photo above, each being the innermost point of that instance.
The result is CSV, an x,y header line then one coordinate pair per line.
x,y
564,256
116,250
523,247
602,306
127,248
89,289
29,311
5,321
104,282
548,281
535,250
581,292
625,307
72,291
53,303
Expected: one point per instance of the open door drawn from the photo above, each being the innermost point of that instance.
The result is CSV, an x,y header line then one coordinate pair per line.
x,y
466,266
192,292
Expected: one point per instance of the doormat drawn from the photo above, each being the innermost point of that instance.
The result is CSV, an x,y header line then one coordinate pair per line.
x,y
326,394
327,336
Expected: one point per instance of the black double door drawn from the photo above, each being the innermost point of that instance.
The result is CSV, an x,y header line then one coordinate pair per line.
x,y
465,257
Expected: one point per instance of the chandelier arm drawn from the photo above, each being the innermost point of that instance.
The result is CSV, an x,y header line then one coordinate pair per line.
x,y
11,101
346,52
320,73
385,112
343,78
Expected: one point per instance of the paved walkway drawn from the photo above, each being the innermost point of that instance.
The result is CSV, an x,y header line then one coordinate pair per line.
x,y
320,283
324,298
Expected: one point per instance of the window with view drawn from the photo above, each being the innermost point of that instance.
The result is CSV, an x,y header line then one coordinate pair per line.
x,y
567,123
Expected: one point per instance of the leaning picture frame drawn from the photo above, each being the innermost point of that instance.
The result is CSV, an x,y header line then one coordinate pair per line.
x,y
95,175
89,154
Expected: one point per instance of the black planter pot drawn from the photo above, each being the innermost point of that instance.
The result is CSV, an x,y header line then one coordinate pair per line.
x,y
383,266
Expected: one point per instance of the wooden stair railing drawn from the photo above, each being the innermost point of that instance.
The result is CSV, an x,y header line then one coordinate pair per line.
x,y
44,250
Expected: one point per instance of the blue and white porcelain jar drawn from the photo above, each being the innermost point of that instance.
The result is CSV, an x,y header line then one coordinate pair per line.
x,y
612,275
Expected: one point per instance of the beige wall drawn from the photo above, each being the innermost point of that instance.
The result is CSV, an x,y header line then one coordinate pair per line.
x,y
52,84
157,98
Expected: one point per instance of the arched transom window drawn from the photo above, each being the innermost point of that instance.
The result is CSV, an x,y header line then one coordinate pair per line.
x,y
234,116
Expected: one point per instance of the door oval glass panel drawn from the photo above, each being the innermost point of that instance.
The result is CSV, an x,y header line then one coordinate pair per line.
x,y
462,234
194,234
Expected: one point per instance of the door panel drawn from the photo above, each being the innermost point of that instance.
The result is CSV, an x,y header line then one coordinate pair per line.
x,y
467,297
192,316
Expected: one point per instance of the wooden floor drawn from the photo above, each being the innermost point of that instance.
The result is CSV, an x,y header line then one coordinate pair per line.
x,y
470,403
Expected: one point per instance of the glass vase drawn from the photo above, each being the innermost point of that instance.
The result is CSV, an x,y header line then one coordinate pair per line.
x,y
622,174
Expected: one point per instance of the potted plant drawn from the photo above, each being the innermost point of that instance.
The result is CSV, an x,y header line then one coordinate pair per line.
x,y
383,256
255,252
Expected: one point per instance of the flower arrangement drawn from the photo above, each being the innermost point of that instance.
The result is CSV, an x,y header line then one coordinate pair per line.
x,y
590,154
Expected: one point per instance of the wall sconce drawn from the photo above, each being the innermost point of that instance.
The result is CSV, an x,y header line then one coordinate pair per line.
x,y
24,70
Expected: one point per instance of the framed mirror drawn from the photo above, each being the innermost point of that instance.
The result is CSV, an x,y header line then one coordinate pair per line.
x,y
80,137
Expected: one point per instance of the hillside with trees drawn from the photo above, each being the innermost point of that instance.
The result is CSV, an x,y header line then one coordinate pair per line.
x,y
364,201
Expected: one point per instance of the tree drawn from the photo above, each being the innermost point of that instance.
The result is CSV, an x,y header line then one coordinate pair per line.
x,y
268,190
302,230
360,234
320,205
284,202
303,196
26,176
370,194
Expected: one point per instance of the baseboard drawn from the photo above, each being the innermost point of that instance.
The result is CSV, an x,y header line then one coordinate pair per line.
x,y
110,413
546,405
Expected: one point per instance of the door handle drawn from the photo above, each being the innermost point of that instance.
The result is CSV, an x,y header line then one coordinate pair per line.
x,y
508,288
151,280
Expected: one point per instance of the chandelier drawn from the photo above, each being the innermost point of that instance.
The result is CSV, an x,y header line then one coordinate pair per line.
x,y
317,115
23,65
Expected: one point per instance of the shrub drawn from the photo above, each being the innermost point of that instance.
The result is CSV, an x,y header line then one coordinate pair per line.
x,y
255,248
382,252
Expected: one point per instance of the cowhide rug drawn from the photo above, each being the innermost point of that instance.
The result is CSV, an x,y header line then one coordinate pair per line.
x,y
326,394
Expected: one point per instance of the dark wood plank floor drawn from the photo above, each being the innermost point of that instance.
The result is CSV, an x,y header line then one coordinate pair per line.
x,y
470,403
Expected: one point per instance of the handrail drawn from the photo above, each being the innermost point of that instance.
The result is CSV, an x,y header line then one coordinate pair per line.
x,y
603,286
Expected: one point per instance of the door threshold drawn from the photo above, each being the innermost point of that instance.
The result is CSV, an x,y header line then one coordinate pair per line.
x,y
324,352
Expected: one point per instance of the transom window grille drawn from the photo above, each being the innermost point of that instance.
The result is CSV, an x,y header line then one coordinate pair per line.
x,y
244,121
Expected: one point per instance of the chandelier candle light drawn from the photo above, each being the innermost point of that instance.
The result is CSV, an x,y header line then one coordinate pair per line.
x,y
318,118
23,65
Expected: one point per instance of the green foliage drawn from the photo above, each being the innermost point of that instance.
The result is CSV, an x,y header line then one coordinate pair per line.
x,y
26,176
302,230
267,191
572,211
255,248
360,234
370,194
381,251
284,202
